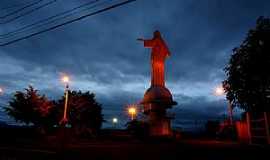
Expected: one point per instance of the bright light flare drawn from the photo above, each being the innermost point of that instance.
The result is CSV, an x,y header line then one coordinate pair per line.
x,y
115,120
219,91
1,91
65,79
132,110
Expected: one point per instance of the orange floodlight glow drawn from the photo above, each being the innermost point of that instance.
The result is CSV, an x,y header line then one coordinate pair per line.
x,y
132,111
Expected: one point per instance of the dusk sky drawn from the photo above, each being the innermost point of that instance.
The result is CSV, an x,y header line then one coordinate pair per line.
x,y
101,53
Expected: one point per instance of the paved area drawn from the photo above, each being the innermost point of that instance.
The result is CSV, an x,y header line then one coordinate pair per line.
x,y
133,149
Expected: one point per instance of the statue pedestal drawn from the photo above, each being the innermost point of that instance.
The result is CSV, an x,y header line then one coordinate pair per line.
x,y
160,126
156,101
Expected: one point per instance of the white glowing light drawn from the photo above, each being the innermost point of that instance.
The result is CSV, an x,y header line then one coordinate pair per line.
x,y
219,91
65,79
115,120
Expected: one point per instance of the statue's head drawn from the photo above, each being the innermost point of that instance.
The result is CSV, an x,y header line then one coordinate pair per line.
x,y
157,34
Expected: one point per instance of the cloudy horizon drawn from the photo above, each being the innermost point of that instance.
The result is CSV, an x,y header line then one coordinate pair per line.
x,y
101,53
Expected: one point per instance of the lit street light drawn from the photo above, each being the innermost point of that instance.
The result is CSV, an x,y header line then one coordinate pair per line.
x,y
1,103
114,121
1,91
219,91
65,80
132,111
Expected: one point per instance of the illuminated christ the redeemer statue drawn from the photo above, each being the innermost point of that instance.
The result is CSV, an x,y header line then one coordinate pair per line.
x,y
159,54
157,99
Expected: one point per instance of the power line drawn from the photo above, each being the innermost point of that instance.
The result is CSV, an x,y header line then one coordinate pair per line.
x,y
29,12
33,25
21,9
68,22
15,5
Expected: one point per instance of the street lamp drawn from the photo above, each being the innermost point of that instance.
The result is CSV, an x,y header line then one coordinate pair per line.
x,y
219,91
65,80
132,111
1,91
114,121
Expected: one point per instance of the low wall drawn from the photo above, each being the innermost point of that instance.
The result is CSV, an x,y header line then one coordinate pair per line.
x,y
242,131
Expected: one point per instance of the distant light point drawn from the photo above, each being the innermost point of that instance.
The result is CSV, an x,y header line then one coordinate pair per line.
x,y
115,120
1,90
219,91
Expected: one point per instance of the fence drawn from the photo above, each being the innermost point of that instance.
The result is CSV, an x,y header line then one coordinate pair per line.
x,y
258,127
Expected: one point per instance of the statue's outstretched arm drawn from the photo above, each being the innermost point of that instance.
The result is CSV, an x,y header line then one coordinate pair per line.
x,y
149,43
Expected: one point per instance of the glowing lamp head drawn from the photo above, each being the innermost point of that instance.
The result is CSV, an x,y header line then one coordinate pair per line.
x,y
115,120
132,110
219,91
1,90
65,79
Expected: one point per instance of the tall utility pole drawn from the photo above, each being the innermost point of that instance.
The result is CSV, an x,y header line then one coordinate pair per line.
x,y
64,120
66,104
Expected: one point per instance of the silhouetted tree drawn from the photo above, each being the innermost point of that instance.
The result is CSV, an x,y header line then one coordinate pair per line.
x,y
248,72
29,107
84,112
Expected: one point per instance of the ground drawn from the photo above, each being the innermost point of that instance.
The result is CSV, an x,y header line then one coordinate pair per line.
x,y
129,148
25,143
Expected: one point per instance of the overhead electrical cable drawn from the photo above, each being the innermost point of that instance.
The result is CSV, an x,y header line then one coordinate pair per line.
x,y
68,22
20,9
34,25
29,12
15,5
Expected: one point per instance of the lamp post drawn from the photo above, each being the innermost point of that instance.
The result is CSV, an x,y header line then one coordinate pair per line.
x,y
114,121
65,80
219,91
132,111
1,91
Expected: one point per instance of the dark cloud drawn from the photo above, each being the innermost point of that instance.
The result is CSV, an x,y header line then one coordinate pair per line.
x,y
102,54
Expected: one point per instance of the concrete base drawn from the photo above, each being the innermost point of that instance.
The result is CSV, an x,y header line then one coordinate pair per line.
x,y
161,127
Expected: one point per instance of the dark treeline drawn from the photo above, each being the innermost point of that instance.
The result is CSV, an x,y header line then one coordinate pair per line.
x,y
29,107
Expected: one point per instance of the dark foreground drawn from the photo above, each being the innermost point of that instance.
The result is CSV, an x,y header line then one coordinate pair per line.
x,y
127,148
137,150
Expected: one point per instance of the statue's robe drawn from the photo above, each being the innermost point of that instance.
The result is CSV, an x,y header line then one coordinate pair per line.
x,y
159,54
